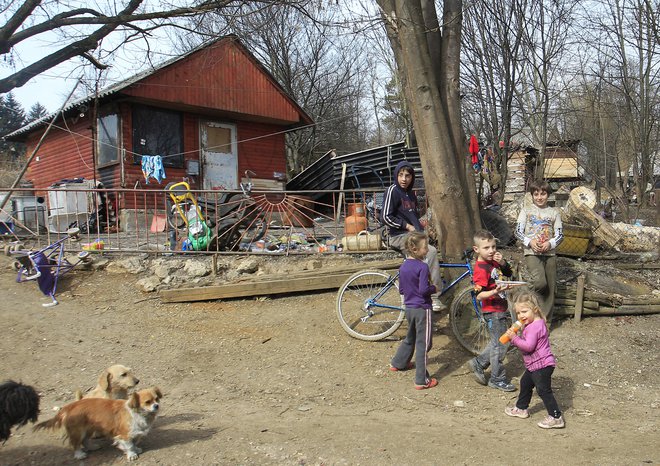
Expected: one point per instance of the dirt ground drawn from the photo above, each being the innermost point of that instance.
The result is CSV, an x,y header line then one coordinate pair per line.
x,y
277,381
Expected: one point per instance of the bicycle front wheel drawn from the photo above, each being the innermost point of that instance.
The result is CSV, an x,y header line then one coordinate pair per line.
x,y
368,309
467,323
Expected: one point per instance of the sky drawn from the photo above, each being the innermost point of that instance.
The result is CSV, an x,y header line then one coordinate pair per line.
x,y
52,87
50,91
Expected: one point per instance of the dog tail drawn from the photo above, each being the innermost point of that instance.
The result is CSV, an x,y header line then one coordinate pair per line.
x,y
54,423
78,394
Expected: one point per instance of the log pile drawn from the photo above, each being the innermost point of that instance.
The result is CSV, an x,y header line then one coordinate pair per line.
x,y
598,303
580,210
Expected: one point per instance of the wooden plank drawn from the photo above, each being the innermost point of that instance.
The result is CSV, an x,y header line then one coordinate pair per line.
x,y
640,300
579,298
609,311
265,184
257,288
572,302
638,266
341,189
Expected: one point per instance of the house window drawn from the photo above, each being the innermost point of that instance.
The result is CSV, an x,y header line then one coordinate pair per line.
x,y
107,139
158,132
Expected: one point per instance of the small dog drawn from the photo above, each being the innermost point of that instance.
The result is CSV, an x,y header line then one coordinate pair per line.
x,y
114,383
18,404
124,421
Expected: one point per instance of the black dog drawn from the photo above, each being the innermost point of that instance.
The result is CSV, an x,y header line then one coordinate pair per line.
x,y
18,404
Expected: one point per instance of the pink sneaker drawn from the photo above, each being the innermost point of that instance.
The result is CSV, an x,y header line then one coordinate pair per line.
x,y
431,384
552,423
409,366
514,411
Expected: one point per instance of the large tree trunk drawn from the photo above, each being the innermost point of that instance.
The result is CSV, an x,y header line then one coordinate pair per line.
x,y
432,87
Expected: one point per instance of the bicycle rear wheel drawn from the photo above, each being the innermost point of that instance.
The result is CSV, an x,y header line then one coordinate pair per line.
x,y
467,322
360,302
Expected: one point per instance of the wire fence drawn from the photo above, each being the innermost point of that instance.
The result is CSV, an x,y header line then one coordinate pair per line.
x,y
157,221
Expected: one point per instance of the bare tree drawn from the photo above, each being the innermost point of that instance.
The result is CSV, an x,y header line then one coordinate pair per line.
x,y
547,32
319,65
625,78
637,54
492,49
428,58
75,29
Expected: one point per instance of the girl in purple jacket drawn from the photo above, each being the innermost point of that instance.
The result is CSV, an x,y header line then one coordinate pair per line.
x,y
416,288
534,345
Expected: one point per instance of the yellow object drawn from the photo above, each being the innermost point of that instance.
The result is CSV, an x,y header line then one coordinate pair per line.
x,y
179,196
576,241
95,246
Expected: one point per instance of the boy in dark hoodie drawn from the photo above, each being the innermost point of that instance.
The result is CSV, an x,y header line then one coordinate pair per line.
x,y
400,215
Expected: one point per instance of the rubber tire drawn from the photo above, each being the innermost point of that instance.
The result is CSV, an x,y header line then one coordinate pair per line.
x,y
352,295
498,226
174,219
469,329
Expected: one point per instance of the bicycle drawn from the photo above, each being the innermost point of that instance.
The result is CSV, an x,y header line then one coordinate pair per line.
x,y
47,264
369,306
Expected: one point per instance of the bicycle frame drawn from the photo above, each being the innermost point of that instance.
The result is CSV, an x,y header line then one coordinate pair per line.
x,y
447,265
374,300
443,265
46,265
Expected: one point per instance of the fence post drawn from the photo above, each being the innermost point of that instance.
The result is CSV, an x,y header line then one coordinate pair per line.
x,y
579,298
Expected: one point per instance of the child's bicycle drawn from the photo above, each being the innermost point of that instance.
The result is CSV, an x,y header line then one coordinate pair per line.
x,y
46,265
369,306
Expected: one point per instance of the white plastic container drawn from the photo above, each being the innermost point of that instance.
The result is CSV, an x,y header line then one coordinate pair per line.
x,y
66,206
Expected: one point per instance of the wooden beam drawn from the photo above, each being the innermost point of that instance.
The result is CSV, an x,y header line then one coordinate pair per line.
x,y
341,190
573,302
579,297
638,266
609,311
256,288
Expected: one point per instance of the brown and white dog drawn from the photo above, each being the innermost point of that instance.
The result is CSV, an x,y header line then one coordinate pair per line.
x,y
124,421
114,383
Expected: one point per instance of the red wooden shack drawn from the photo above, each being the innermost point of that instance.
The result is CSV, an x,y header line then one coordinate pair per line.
x,y
211,114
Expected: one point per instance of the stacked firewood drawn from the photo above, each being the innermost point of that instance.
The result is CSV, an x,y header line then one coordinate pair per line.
x,y
598,303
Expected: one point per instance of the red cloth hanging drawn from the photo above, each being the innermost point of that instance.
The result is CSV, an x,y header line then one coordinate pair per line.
x,y
474,149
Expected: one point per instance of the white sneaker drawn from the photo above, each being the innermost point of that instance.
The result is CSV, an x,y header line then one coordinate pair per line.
x,y
514,411
438,306
552,423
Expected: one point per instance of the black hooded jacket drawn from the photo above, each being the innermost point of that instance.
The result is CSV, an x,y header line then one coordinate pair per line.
x,y
399,205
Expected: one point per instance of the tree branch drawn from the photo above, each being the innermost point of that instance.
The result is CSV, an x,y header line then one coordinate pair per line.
x,y
15,22
9,39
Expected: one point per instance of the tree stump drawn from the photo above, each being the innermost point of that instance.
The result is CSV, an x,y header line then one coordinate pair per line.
x,y
580,209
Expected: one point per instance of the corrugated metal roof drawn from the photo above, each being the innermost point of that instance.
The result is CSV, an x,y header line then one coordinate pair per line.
x,y
369,168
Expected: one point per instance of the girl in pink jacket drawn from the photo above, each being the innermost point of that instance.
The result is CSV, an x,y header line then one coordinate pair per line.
x,y
534,345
